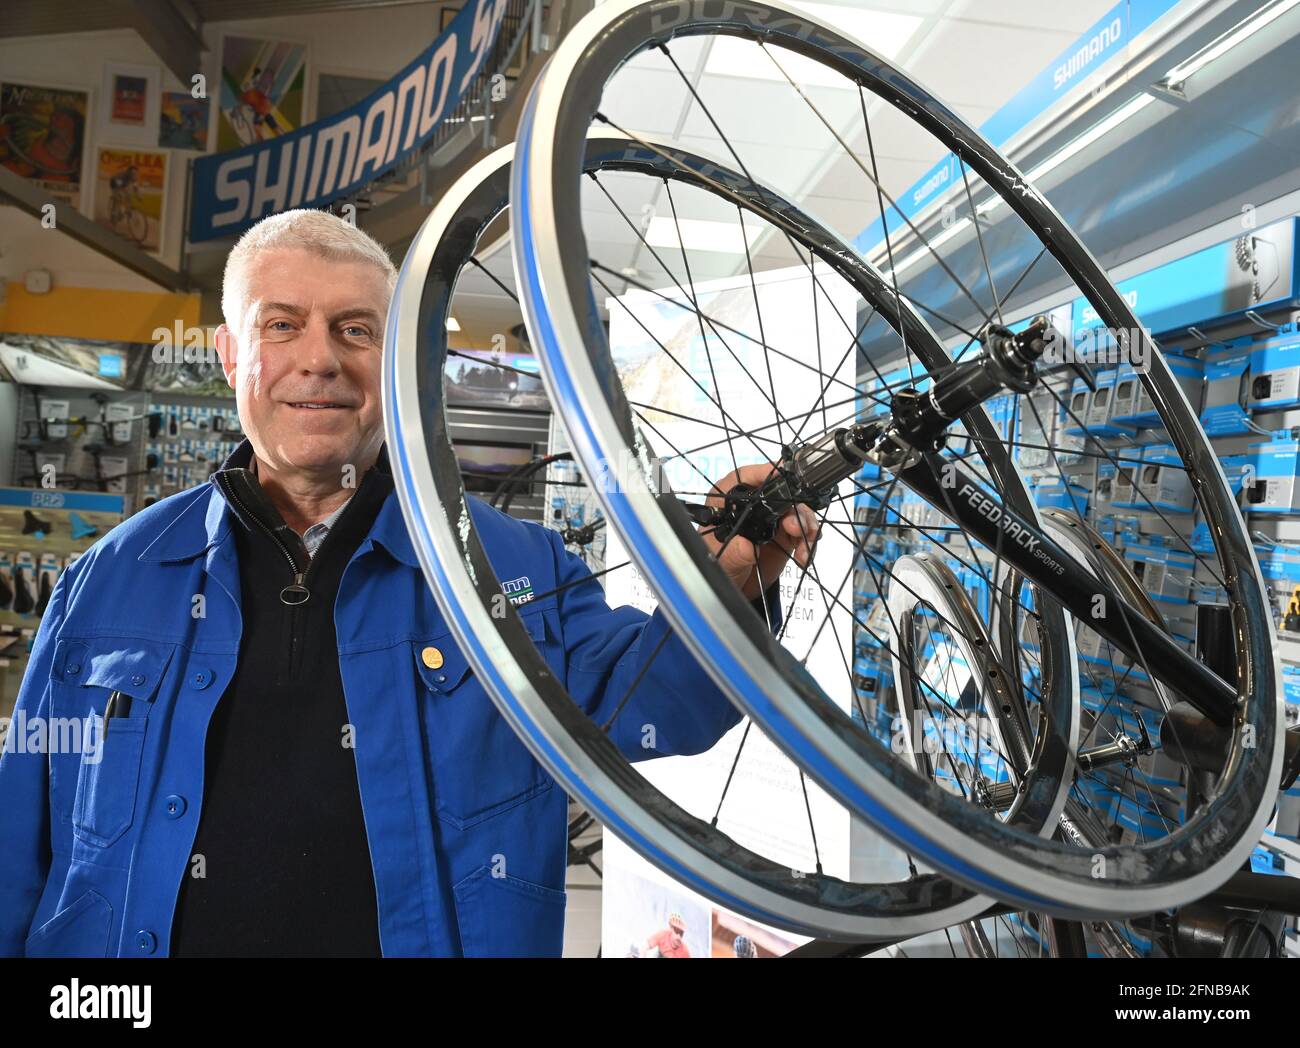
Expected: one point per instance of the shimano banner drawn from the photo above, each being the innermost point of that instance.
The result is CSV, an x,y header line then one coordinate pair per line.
x,y
336,156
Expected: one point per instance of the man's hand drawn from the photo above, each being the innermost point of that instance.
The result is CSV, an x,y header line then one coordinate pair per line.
x,y
796,536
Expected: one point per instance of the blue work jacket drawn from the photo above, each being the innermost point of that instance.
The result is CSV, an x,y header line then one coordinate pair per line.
x,y
95,838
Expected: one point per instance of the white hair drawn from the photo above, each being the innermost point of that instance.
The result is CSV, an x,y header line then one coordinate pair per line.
x,y
303,228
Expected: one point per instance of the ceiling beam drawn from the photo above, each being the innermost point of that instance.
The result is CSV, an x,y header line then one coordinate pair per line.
x,y
19,18
170,35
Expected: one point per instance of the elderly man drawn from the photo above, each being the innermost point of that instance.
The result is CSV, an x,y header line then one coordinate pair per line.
x,y
286,753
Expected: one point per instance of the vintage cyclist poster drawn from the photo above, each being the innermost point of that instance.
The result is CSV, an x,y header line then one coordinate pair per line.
x,y
131,193
43,136
262,90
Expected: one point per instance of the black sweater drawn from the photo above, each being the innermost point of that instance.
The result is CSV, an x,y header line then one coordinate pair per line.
x,y
282,836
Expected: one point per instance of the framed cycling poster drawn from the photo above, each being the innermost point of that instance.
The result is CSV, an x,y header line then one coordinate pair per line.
x,y
183,122
131,194
263,90
128,105
44,136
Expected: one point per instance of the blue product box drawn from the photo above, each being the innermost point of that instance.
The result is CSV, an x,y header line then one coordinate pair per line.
x,y
1275,372
1280,568
1163,482
1226,385
1165,573
1132,403
1103,493
1125,493
1274,490
1080,406
1059,495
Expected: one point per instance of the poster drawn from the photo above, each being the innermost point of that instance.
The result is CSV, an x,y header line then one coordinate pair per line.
x,y
128,108
43,136
130,193
262,90
183,121
662,356
127,99
655,919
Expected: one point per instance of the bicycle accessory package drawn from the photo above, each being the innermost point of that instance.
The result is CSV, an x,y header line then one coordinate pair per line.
x,y
1133,405
47,574
6,582
1275,372
1274,489
1227,382
1163,481
24,583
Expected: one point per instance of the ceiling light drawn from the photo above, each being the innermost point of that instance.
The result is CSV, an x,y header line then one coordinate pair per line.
x,y
1072,148
698,234
1098,130
1244,29
926,249
1130,108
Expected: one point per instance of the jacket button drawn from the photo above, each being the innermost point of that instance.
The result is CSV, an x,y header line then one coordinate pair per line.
x,y
174,806
74,668
432,658
145,941
201,679
137,679
441,678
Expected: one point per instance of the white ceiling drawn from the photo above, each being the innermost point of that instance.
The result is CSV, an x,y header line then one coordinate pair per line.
x,y
973,54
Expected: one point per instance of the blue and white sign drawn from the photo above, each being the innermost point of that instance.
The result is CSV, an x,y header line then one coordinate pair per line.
x,y
1251,271
42,498
331,158
1105,39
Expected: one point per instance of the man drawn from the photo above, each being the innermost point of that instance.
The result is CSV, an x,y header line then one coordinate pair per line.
x,y
670,941
124,190
257,97
295,759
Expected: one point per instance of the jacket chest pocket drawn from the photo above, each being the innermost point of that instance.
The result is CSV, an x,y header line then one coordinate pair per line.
x,y
478,766
95,784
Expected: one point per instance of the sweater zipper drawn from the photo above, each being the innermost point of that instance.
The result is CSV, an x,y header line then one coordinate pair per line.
x,y
296,592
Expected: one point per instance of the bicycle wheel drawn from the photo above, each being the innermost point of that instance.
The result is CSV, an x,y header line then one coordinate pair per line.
x,y
504,651
553,257
965,729
1112,740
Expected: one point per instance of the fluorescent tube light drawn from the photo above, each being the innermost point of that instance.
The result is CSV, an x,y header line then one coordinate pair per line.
x,y
1216,49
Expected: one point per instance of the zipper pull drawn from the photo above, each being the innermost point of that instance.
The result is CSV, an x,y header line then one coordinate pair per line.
x,y
295,592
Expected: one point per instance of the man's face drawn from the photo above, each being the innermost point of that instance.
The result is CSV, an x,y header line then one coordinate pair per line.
x,y
305,367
